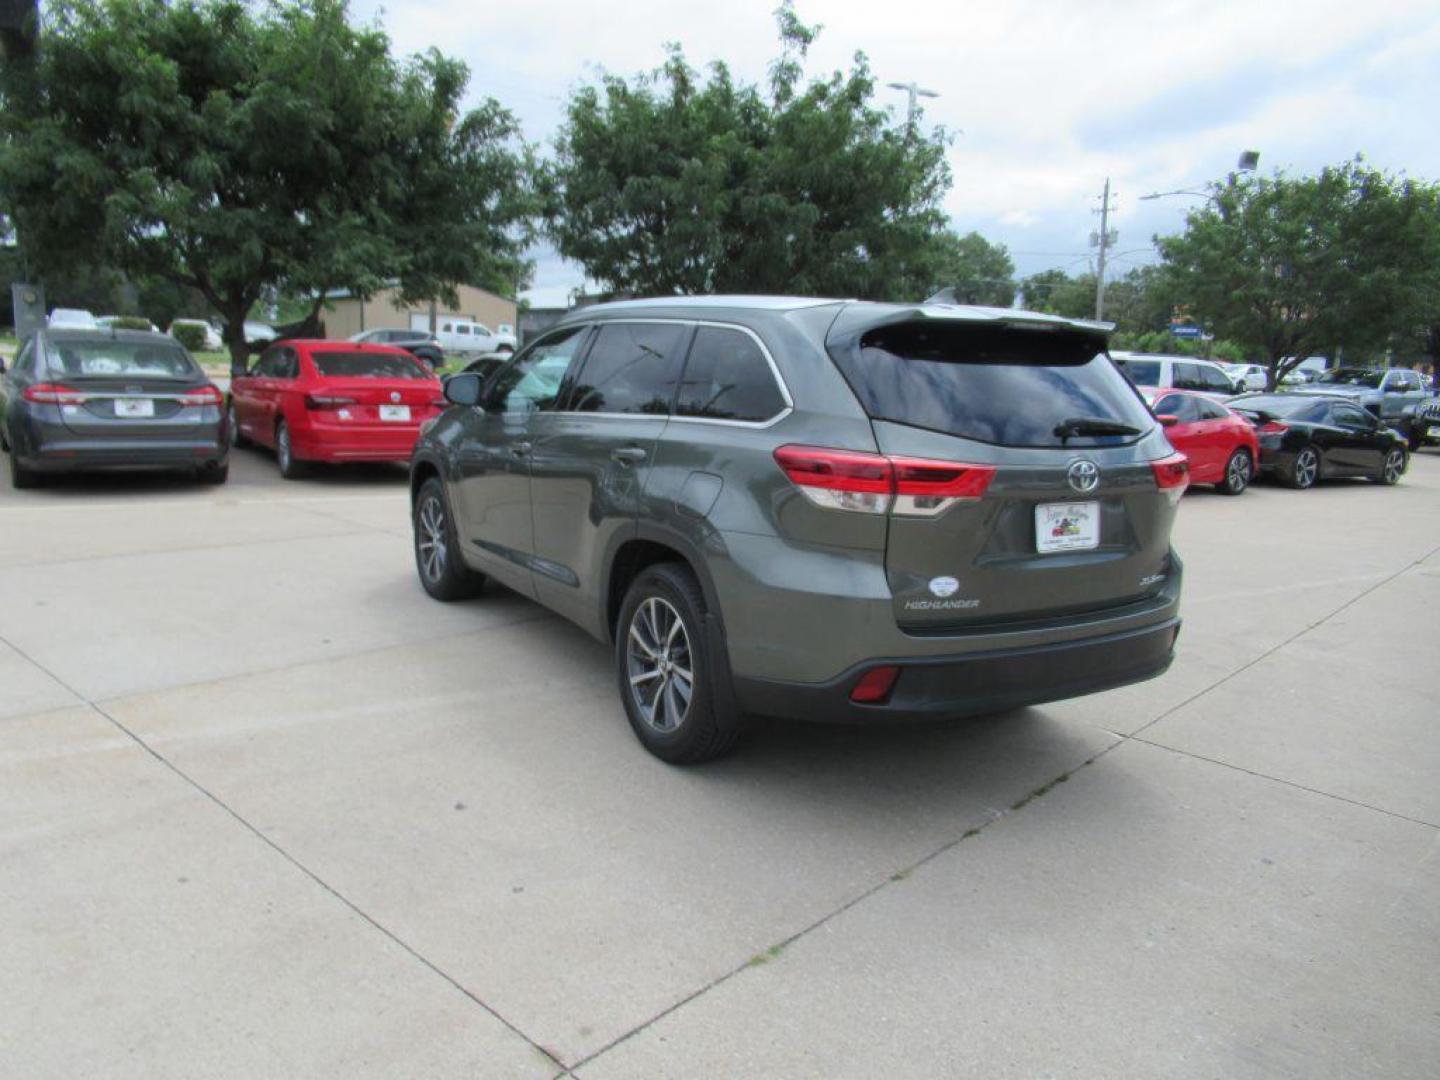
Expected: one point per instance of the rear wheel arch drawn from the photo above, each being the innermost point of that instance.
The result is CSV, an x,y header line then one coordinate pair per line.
x,y
423,469
647,547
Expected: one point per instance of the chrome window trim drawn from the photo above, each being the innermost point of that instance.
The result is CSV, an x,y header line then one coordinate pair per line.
x,y
785,394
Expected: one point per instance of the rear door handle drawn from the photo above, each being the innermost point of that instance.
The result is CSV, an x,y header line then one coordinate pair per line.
x,y
520,449
628,455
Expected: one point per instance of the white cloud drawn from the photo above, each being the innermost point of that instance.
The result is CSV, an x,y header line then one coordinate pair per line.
x,y
1053,96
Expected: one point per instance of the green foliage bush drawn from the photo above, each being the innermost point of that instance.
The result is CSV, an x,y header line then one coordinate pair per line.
x,y
134,322
190,335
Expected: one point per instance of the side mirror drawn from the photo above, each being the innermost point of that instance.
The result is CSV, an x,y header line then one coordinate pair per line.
x,y
464,388
1167,420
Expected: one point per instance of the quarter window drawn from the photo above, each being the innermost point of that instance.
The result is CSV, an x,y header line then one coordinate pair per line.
x,y
631,368
727,378
1181,406
25,362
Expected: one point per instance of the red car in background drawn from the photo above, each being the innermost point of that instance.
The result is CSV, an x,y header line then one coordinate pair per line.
x,y
1222,445
333,401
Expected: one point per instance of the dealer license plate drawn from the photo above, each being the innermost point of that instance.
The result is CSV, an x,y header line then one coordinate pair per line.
x,y
134,407
394,412
1067,527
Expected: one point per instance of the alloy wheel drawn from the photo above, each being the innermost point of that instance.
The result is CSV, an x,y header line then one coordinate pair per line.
x,y
1307,467
1394,466
1237,475
430,537
659,665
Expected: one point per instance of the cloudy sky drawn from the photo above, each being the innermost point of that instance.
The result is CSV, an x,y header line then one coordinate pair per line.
x,y
1052,96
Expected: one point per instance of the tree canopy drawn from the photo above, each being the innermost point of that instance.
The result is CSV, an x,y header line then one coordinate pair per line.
x,y
236,149
670,183
1292,266
972,268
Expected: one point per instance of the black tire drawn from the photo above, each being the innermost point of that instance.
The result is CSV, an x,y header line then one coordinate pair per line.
x,y
1304,470
21,477
214,474
676,730
443,574
236,438
1415,438
1392,469
1239,471
291,467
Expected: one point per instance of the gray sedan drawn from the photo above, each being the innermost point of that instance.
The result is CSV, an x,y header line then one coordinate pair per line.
x,y
77,400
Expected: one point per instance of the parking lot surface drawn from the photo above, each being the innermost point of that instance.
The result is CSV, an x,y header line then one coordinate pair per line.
x,y
267,810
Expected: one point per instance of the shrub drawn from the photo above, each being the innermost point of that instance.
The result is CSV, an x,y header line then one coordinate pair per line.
x,y
130,322
189,335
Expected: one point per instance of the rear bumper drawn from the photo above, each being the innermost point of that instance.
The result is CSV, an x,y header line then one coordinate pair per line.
x,y
975,683
94,454
356,443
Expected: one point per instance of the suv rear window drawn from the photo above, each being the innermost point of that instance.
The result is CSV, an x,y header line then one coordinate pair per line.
x,y
342,365
1004,385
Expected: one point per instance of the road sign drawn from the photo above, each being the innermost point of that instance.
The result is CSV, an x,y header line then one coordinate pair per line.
x,y
1184,330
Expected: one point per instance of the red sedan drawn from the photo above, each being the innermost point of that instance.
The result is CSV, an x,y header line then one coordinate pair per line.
x,y
333,401
1222,445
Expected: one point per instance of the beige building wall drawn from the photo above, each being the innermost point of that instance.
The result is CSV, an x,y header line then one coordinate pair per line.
x,y
347,316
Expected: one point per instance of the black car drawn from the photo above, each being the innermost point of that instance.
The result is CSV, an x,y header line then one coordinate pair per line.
x,y
106,399
1307,437
1421,423
421,344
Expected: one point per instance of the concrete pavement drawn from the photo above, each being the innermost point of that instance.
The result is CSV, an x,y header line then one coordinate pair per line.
x,y
265,809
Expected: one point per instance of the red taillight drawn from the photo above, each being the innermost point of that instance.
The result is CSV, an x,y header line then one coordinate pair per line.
x,y
1172,475
327,401
54,394
438,401
852,480
1273,427
927,487
875,685
204,395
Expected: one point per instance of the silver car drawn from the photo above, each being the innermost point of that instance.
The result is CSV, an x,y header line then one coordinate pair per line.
x,y
77,400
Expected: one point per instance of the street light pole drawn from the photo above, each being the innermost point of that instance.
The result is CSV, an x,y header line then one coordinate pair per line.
x,y
913,90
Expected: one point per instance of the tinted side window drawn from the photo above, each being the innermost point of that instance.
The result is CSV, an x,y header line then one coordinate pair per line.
x,y
1208,410
1214,379
533,379
727,378
1181,406
1350,416
1186,376
1141,372
631,368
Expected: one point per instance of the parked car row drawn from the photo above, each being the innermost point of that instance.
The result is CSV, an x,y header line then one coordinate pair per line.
x,y
767,507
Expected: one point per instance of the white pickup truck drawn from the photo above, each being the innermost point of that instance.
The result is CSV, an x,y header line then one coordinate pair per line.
x,y
465,336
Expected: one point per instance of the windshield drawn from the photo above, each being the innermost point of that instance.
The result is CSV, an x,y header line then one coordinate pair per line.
x,y
1004,385
1370,379
345,365
105,358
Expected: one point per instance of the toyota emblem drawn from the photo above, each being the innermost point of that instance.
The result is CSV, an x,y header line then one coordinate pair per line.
x,y
1084,476
395,397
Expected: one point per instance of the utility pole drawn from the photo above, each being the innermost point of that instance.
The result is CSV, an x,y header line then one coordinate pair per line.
x,y
1103,240
914,90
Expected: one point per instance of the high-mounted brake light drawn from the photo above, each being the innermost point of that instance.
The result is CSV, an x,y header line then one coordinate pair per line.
x,y
54,394
1172,476
874,483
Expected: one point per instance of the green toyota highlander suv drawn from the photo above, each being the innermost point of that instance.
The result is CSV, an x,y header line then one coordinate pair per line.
x,y
814,508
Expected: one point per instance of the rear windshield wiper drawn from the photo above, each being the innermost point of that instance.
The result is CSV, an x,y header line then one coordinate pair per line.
x,y
1092,425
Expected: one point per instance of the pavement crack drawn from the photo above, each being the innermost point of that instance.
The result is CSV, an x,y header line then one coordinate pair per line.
x,y
334,892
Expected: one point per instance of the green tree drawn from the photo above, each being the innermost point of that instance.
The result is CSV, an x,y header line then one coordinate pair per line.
x,y
975,270
1057,293
672,184
1288,267
234,149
